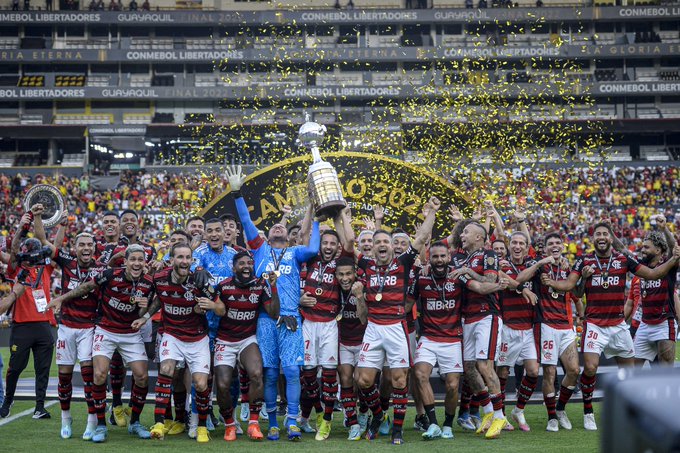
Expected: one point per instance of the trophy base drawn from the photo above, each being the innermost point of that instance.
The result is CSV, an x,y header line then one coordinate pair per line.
x,y
330,209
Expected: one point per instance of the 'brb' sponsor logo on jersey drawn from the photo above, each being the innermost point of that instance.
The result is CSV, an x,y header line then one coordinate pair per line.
x,y
441,305
121,306
241,315
177,310
612,280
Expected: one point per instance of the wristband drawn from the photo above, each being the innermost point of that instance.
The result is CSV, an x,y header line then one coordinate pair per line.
x,y
146,316
237,193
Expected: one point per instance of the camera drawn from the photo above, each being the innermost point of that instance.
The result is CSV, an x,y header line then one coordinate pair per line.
x,y
34,253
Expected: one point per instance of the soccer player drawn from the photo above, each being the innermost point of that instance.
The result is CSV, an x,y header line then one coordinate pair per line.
x,y
240,299
76,329
281,343
386,282
121,291
604,274
438,297
184,338
365,240
351,329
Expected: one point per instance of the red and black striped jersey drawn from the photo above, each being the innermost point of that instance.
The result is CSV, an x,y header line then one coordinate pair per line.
x,y
656,297
516,312
477,306
319,281
552,305
439,303
243,303
605,289
78,313
350,329
412,314
118,311
109,250
386,287
178,303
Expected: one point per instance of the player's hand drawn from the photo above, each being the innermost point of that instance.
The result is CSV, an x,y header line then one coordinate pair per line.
x,y
503,283
455,214
660,221
357,289
503,263
138,323
425,270
37,209
477,214
157,266
547,260
529,296
378,213
63,220
142,302
587,271
201,278
489,208
519,214
564,262
55,304
369,224
287,211
196,240
205,304
26,219
235,177
272,279
545,280
457,273
289,321
435,203
307,300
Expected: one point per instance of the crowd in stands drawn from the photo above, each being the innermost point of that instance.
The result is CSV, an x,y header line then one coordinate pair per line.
x,y
564,201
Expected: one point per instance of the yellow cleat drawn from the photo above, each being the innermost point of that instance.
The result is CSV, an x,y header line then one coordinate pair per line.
x,y
121,416
167,424
202,435
176,428
323,430
158,431
486,423
319,420
496,427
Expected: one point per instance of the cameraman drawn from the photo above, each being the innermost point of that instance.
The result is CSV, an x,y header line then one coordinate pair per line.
x,y
31,271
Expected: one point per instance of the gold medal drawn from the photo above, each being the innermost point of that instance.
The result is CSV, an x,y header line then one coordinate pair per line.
x,y
605,285
132,300
555,295
277,273
265,276
644,293
339,317
378,297
318,291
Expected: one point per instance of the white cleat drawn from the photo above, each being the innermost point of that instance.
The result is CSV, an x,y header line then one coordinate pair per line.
x,y
66,432
245,412
193,425
447,432
563,420
553,425
589,422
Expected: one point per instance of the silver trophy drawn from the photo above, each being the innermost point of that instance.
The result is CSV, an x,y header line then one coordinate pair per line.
x,y
50,198
322,180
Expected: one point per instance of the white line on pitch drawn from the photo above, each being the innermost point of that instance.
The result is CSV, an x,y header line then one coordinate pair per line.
x,y
26,412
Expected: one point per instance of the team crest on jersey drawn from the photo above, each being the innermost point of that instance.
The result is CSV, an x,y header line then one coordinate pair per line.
x,y
616,264
449,286
189,296
253,298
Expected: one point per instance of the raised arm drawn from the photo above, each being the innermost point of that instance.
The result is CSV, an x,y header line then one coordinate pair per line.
x,y
236,178
306,226
78,291
343,226
456,216
362,309
307,252
660,271
425,229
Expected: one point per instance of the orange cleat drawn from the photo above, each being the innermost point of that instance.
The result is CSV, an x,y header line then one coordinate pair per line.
x,y
254,432
230,433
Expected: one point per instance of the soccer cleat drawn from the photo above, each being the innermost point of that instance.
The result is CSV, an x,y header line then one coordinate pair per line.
x,y
305,427
120,416
202,435
476,421
386,425
193,425
230,433
553,425
508,426
263,413
433,432
465,421
254,432
397,437
100,434
89,431
355,432
158,431
66,432
486,423
563,420
41,413
283,409
176,428
324,430
496,427
245,412
273,433
421,423
214,420
447,432
239,430
137,429
319,419
363,420
4,409
294,434
589,422
209,424
374,428
518,416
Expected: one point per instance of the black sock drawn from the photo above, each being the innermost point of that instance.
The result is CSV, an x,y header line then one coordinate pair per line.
x,y
448,420
431,414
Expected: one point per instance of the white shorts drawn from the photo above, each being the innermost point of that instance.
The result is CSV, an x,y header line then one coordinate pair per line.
x,y
412,345
516,346
227,352
647,336
147,332
195,354
481,338
129,345
448,355
553,342
614,341
74,345
321,343
385,342
349,355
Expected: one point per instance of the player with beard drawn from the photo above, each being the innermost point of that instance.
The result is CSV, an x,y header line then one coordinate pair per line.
x,y
195,226
121,291
351,329
240,299
517,335
130,231
605,329
438,296
111,235
386,279
656,335
281,344
365,241
184,339
76,329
